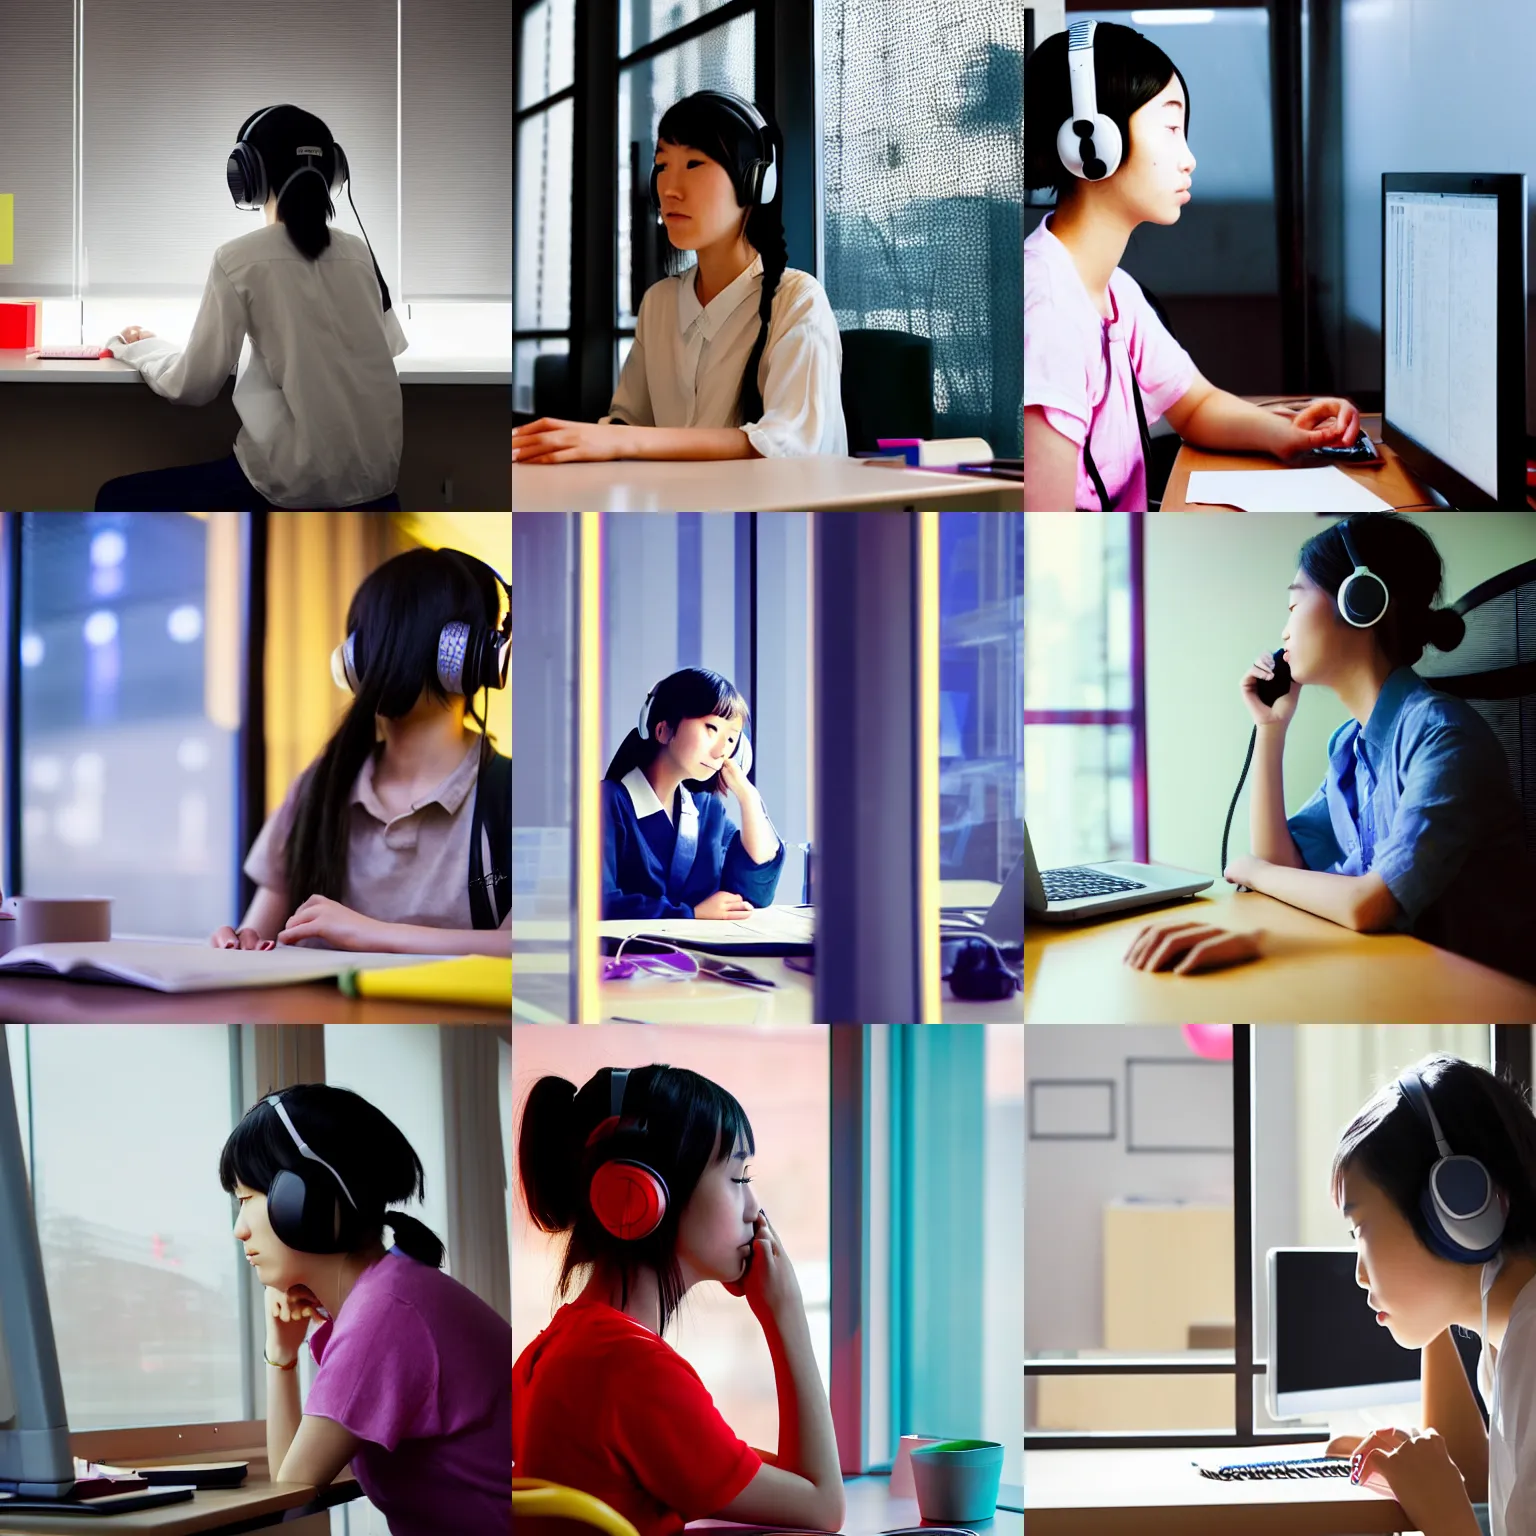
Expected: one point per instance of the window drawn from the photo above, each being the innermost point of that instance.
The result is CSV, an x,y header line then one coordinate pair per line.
x,y
1084,694
132,630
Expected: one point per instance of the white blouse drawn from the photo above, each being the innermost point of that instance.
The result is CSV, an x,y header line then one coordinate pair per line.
x,y
685,367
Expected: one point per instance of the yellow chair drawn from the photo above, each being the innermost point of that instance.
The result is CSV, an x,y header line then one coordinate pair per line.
x,y
535,1497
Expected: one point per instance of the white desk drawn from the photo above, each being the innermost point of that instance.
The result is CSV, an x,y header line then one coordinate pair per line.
x,y
750,485
871,1509
17,367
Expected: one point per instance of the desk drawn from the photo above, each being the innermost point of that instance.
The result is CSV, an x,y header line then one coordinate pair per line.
x,y
750,485
1158,1493
871,1509
1313,971
1392,482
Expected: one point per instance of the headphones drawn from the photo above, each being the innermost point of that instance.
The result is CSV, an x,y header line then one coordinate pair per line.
x,y
469,656
627,1195
758,184
303,1208
1462,1208
741,753
1088,142
1360,603
246,174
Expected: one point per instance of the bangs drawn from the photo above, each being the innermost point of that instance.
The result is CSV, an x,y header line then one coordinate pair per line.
x,y
690,124
733,1125
257,1150
729,704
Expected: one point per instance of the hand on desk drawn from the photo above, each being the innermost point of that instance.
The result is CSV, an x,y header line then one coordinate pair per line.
x,y
1416,1468
246,938
133,333
1203,946
1327,422
552,441
724,904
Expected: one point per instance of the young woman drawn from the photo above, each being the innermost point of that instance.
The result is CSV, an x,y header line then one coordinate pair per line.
x,y
319,398
1096,355
1423,1272
1416,825
666,854
599,1401
735,356
408,1387
390,841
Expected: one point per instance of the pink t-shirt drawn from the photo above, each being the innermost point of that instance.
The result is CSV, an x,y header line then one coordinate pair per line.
x,y
420,1370
1077,367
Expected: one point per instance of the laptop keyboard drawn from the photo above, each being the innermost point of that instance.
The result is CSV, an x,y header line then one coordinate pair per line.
x,y
1069,884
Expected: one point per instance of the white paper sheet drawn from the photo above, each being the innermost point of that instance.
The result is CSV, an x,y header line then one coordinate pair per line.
x,y
767,925
1282,490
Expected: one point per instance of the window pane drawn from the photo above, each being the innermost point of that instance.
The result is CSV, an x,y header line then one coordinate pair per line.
x,y
1128,1223
130,691
1078,599
543,300
143,1272
643,21
548,50
1078,793
781,1079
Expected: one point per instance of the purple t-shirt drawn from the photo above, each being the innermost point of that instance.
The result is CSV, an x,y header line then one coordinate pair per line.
x,y
1077,367
420,1370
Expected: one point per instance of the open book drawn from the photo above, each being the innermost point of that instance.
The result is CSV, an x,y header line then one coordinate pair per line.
x,y
170,966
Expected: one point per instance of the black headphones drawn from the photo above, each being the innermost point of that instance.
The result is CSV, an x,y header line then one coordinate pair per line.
x,y
469,656
1363,595
304,1207
246,174
758,184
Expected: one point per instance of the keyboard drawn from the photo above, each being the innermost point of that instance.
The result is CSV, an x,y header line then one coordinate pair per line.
x,y
1068,884
69,352
1313,1466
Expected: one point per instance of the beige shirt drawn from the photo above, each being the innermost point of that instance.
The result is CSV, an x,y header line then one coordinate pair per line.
x,y
409,868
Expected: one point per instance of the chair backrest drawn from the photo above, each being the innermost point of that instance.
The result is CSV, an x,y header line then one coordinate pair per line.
x,y
1494,670
887,387
536,1499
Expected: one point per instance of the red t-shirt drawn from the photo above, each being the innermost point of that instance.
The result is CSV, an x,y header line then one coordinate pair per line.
x,y
601,1404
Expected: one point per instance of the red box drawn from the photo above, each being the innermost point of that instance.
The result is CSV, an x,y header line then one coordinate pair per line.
x,y
19,322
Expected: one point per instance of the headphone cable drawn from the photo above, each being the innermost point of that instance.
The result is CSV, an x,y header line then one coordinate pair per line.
x,y
1253,737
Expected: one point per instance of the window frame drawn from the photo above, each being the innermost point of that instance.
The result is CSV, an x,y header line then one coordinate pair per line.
x,y
1511,1052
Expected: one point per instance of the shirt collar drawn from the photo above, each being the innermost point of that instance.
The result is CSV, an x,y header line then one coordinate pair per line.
x,y
722,306
1400,683
449,794
643,797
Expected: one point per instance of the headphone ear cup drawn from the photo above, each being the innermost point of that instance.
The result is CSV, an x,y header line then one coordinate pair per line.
x,y
628,1198
246,176
742,756
297,1215
343,171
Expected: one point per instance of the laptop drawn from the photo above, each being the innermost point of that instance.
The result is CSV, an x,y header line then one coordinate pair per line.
x,y
1083,891
1002,922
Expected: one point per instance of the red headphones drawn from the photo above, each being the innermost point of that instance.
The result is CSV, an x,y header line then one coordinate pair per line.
x,y
627,1195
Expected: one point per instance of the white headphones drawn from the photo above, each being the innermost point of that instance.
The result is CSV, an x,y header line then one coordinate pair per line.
x,y
1363,594
1088,142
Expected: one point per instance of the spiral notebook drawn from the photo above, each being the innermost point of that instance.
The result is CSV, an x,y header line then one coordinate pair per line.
x,y
1291,1469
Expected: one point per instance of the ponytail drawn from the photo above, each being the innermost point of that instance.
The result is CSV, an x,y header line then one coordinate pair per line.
x,y
548,1154
415,1239
632,753
303,210
315,860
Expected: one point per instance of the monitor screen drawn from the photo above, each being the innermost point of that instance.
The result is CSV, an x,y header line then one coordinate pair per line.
x,y
1326,1349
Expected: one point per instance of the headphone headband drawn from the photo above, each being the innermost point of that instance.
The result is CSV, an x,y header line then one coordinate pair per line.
x,y
276,1101
1089,142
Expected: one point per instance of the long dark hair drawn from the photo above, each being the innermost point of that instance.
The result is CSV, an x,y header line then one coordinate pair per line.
x,y
702,123
1482,1116
1405,557
370,1152
688,694
306,205
684,1113
397,615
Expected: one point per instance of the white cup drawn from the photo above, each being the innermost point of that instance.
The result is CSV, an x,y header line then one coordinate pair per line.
x,y
63,919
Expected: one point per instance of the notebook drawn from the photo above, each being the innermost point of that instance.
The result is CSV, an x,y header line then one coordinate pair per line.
x,y
768,931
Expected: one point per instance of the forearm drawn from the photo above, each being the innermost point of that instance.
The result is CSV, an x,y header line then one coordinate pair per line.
x,y
283,1413
757,835
1450,1409
1225,421
417,939
807,1442
1339,898
1268,836
688,443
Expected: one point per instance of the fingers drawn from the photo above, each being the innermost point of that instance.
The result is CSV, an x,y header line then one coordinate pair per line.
x,y
1155,940
222,938
1343,1445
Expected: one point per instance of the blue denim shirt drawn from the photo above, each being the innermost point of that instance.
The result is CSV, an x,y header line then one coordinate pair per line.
x,y
1423,796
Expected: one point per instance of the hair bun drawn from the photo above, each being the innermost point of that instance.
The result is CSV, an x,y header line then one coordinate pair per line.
x,y
1444,628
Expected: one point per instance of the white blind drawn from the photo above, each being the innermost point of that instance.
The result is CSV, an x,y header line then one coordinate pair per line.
x,y
167,85
456,149
37,146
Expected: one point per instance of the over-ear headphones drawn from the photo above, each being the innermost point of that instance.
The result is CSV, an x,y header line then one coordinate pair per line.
x,y
1462,1207
1088,142
627,1195
758,183
469,656
1363,595
741,753
303,1207
980,974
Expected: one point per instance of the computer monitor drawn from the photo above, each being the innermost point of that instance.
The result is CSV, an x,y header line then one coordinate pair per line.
x,y
35,1459
1453,333
1327,1352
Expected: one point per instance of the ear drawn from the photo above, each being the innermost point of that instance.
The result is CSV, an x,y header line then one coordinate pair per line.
x,y
663,732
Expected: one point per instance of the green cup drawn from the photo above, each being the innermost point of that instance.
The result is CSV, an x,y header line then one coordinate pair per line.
x,y
957,1480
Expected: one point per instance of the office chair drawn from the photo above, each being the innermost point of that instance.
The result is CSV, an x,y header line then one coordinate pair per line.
x,y
1165,442
536,1498
1494,670
887,387
552,386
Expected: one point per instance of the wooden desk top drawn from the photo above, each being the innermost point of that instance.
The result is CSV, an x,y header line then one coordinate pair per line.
x,y
749,485
1159,1493
1392,481
1312,972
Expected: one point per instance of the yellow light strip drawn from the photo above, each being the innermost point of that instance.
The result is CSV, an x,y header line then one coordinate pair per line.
x,y
928,766
589,767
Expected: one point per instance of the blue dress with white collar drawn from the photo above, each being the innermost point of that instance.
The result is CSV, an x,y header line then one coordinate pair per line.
x,y
650,871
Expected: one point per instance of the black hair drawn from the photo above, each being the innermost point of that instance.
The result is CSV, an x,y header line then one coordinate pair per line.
x,y
397,615
688,694
306,205
703,123
1482,1116
370,1152
1129,70
1405,557
691,1124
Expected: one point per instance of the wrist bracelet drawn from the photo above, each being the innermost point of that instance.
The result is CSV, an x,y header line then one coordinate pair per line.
x,y
292,1364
